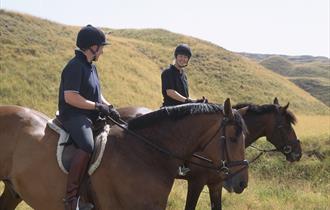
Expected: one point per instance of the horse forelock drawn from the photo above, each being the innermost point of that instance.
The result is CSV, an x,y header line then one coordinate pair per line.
x,y
266,108
290,117
240,122
173,113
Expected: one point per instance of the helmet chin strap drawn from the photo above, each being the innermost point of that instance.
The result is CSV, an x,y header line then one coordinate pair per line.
x,y
182,66
94,52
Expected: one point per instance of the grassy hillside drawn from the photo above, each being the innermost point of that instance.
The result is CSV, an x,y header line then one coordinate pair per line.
x,y
310,73
295,59
286,67
34,51
317,87
278,64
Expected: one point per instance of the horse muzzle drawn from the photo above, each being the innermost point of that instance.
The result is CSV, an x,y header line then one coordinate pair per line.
x,y
292,153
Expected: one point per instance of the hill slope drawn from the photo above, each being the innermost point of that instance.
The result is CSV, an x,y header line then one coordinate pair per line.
x,y
310,73
34,51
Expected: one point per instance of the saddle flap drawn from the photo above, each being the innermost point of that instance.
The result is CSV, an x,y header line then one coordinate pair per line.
x,y
65,151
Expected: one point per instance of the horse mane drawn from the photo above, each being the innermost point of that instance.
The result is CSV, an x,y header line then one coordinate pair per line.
x,y
266,108
174,113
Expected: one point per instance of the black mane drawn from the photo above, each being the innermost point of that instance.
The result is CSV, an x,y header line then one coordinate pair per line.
x,y
173,113
266,108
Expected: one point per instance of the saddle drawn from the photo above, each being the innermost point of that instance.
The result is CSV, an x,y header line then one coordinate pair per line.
x,y
66,147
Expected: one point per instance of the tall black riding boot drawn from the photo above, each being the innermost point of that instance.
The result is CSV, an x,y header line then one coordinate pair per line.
x,y
76,174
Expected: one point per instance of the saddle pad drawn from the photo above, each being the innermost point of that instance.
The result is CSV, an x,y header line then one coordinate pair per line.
x,y
62,147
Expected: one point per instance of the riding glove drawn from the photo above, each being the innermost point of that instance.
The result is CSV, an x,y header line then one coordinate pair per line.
x,y
102,108
113,113
107,110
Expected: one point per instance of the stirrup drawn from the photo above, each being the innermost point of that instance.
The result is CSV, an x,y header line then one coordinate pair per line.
x,y
83,205
183,170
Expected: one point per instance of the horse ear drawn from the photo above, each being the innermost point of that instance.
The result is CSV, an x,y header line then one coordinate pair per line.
x,y
276,101
228,112
283,109
242,111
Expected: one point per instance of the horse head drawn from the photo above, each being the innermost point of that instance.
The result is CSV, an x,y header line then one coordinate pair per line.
x,y
235,148
282,135
232,148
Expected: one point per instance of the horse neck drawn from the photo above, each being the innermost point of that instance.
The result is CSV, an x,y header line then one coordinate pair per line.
x,y
181,138
257,126
184,136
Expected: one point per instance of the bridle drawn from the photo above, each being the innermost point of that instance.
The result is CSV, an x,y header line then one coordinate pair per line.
x,y
226,162
286,148
225,165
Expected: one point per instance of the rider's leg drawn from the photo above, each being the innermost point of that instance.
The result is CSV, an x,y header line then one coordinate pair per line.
x,y
81,133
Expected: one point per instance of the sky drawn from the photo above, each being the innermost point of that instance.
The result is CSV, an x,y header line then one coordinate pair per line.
x,y
290,27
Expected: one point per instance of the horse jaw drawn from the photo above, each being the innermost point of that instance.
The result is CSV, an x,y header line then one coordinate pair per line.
x,y
228,186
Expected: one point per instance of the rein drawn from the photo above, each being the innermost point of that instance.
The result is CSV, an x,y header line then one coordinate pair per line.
x,y
224,167
262,151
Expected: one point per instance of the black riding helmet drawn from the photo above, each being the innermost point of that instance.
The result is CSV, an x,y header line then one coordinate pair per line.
x,y
89,36
183,49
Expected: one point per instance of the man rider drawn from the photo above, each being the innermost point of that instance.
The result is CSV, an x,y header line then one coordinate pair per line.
x,y
175,84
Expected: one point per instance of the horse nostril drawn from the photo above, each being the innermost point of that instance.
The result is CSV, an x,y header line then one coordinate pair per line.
x,y
297,156
287,149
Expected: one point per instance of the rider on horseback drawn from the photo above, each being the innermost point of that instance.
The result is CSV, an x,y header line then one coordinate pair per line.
x,y
175,85
80,102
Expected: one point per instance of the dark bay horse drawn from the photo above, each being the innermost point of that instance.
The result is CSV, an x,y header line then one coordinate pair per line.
x,y
29,169
269,120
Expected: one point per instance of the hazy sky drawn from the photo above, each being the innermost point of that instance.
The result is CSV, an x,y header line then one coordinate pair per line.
x,y
292,27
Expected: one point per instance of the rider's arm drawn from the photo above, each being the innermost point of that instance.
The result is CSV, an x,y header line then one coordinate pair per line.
x,y
175,95
75,99
104,100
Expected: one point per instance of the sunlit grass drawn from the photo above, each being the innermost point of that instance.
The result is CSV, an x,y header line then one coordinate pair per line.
x,y
312,126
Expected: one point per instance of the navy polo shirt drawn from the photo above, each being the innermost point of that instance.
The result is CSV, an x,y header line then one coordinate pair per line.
x,y
173,79
79,76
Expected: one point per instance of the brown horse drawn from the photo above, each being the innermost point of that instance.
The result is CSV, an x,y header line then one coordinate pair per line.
x,y
269,120
28,165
